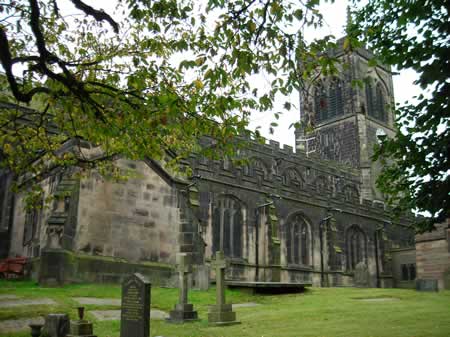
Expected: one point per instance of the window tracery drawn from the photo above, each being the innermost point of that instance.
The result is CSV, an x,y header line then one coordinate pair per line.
x,y
228,226
298,241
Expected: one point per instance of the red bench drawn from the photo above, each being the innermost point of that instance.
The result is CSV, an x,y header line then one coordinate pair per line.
x,y
12,267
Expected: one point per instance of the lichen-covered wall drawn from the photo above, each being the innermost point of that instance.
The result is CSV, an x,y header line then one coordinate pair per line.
x,y
277,187
136,220
31,245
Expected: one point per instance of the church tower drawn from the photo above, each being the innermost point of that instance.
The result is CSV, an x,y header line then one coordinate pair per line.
x,y
342,120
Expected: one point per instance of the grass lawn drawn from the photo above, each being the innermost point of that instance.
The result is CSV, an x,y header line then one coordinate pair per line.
x,y
317,312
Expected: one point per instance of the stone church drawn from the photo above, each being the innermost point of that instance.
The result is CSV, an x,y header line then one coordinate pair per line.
x,y
313,216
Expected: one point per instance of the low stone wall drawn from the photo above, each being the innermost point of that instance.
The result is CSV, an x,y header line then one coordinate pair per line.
x,y
433,255
56,267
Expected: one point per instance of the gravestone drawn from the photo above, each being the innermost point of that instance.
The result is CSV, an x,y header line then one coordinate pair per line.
x,y
135,310
427,285
202,277
183,311
56,325
221,313
361,276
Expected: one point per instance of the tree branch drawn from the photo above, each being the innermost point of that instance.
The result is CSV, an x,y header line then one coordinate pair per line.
x,y
98,15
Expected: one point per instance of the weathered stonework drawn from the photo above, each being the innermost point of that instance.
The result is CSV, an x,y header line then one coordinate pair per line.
x,y
283,217
349,136
433,255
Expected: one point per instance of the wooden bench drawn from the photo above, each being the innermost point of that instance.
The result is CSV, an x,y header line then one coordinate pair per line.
x,y
12,267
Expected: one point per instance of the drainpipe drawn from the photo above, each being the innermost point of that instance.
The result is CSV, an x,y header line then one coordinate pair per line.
x,y
321,224
257,244
377,253
376,258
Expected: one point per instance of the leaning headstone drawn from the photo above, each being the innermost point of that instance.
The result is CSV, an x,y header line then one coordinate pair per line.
x,y
221,313
361,276
81,327
426,285
135,311
56,325
183,311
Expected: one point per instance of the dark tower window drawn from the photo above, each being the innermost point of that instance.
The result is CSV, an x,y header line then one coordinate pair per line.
x,y
320,103
227,227
356,247
370,100
376,102
336,107
380,104
298,241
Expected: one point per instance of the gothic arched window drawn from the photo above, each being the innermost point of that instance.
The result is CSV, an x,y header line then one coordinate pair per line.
x,y
320,103
370,101
336,107
356,247
227,226
380,104
298,241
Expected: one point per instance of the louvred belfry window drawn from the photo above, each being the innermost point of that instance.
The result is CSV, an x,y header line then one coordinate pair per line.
x,y
320,103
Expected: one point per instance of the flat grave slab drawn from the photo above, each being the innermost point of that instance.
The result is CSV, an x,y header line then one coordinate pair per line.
x,y
245,305
113,315
269,287
379,299
14,325
22,302
97,301
7,297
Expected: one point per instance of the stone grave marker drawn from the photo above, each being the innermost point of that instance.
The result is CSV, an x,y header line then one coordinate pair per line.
x,y
135,310
221,313
56,325
361,277
183,311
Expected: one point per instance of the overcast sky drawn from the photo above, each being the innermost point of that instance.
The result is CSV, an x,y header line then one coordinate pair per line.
x,y
335,16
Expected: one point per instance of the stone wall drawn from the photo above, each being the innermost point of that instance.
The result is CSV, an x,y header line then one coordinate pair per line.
x,y
300,186
136,220
433,255
31,245
349,137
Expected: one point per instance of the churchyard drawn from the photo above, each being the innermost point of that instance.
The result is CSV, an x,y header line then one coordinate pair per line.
x,y
316,312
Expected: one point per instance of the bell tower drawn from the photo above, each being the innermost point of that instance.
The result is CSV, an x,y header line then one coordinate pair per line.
x,y
342,116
